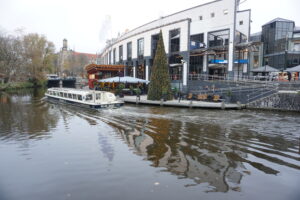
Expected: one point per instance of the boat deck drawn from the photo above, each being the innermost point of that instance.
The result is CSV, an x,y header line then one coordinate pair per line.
x,y
182,103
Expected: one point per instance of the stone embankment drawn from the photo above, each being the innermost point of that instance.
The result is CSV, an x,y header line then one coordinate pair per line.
x,y
282,100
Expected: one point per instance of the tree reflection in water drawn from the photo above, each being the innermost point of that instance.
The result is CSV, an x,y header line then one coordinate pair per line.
x,y
25,116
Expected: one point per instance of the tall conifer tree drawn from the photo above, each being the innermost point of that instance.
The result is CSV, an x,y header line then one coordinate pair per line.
x,y
160,83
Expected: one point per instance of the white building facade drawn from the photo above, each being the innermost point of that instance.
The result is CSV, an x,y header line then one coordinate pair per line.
x,y
198,41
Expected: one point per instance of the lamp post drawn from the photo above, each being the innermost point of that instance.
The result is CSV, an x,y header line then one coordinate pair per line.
x,y
181,75
179,82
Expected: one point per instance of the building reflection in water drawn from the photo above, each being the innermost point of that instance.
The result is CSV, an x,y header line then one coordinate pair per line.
x,y
202,152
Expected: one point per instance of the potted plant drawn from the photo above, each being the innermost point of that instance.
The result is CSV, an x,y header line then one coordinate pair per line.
x,y
131,89
120,89
175,93
138,92
164,93
228,96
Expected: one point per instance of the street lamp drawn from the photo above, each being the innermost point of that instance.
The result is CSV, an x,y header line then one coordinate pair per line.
x,y
181,77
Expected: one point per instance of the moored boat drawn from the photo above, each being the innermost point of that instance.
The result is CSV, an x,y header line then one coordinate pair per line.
x,y
84,98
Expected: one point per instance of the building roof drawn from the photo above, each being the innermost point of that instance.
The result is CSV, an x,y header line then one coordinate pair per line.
x,y
210,2
93,68
89,55
278,19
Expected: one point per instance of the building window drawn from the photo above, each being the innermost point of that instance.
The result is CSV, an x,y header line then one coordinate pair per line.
x,y
197,41
175,69
212,15
121,53
218,38
109,57
114,56
154,41
295,61
241,22
140,47
129,50
297,47
196,64
175,40
201,18
225,11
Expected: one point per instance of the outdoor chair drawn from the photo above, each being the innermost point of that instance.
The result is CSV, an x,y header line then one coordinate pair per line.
x,y
202,97
190,96
216,98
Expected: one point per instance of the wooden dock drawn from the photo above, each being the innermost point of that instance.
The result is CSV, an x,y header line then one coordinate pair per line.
x,y
183,103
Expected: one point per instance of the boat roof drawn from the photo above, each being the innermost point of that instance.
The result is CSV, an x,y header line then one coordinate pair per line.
x,y
76,91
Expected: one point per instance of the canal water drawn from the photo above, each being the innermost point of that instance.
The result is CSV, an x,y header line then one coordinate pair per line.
x,y
50,151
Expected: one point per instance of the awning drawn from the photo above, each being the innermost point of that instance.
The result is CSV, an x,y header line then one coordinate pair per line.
x,y
293,69
175,64
124,79
266,68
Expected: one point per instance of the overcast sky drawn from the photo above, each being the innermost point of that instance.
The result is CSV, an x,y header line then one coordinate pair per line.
x,y
86,24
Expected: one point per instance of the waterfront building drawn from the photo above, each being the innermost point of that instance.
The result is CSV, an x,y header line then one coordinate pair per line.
x,y
97,72
278,45
201,40
71,63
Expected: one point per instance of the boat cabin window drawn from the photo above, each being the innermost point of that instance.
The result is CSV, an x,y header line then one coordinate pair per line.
x,y
74,96
61,94
98,96
80,97
70,96
89,97
65,95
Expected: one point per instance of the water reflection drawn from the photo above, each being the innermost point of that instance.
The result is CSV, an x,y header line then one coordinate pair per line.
x,y
24,116
215,148
205,150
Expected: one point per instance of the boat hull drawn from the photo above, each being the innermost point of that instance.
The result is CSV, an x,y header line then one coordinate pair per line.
x,y
100,106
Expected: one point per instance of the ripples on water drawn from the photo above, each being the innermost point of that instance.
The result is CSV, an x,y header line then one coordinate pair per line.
x,y
238,154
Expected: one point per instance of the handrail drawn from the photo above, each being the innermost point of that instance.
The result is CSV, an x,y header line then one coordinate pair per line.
x,y
262,94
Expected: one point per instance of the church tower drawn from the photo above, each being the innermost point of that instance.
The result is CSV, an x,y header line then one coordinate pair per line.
x,y
65,45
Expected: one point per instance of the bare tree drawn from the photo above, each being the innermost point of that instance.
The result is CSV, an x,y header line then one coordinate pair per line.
x,y
39,56
10,57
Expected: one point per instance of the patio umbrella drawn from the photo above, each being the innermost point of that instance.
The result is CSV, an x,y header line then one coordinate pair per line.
x,y
266,68
124,79
293,69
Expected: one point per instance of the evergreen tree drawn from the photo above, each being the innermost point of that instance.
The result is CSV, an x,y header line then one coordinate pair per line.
x,y
160,83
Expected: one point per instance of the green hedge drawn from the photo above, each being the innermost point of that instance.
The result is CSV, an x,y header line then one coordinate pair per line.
x,y
21,85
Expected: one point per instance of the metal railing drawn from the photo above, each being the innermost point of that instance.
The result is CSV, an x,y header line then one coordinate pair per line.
x,y
237,78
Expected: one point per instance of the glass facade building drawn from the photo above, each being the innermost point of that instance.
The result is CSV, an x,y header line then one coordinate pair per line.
x,y
276,36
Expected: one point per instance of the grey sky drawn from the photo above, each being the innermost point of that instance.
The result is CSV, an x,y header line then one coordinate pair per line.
x,y
87,23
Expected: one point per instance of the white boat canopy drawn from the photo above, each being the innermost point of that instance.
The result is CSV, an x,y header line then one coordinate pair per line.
x,y
266,68
123,79
293,69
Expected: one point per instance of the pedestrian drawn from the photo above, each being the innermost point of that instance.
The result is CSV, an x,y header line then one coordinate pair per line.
x,y
289,76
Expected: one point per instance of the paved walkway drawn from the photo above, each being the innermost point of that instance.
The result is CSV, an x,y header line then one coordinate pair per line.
x,y
182,103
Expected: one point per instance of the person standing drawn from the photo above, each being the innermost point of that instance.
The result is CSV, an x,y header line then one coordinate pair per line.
x,y
289,76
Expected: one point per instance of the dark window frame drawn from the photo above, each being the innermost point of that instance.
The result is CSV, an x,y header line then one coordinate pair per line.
x,y
129,51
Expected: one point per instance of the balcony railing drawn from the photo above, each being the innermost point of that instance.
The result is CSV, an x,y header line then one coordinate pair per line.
x,y
175,77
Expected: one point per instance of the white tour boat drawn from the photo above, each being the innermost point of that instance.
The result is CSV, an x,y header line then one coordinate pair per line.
x,y
84,98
